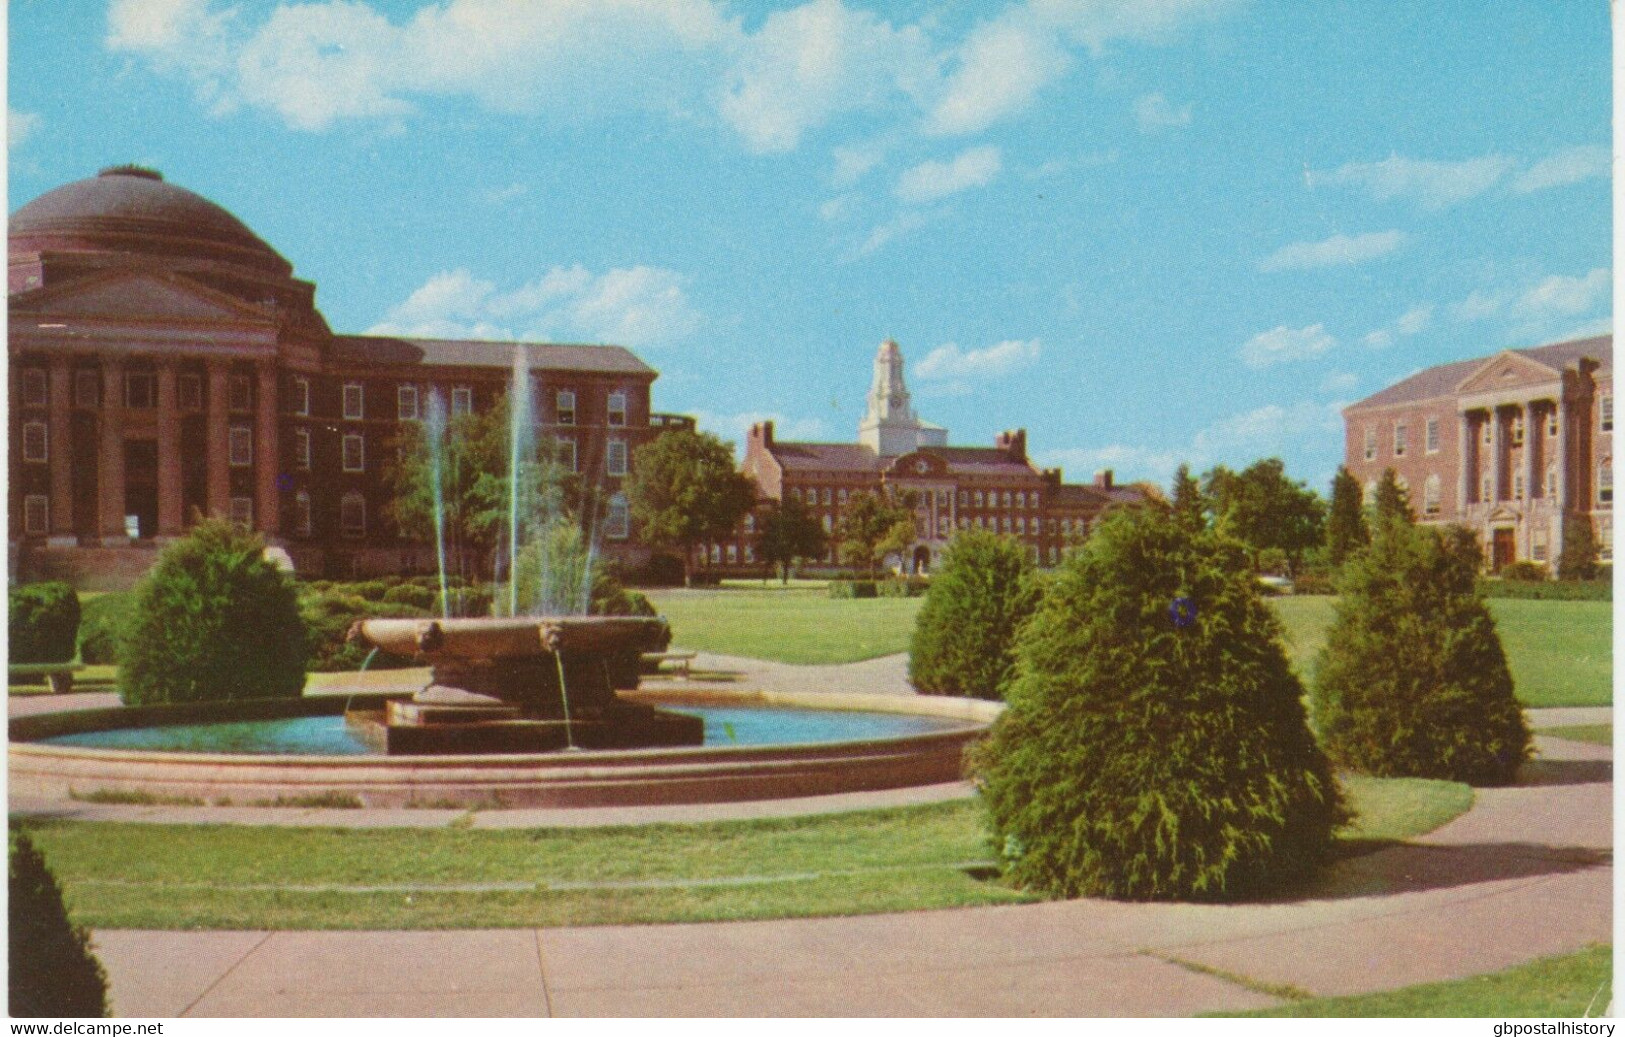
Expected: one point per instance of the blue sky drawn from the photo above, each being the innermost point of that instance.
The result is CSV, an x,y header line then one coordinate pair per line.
x,y
1174,230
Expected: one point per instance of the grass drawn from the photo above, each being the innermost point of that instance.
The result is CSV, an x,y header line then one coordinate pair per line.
x,y
1596,734
91,678
123,876
1568,986
1561,652
798,624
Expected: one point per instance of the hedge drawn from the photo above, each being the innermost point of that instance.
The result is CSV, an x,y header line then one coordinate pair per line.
x,y
43,624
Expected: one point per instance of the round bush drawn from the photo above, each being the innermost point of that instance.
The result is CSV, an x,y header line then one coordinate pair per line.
x,y
101,628
1155,745
964,638
413,595
214,620
53,972
1524,572
1413,681
44,623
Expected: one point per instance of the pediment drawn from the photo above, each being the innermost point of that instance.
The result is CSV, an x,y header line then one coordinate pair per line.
x,y
918,465
1506,370
140,296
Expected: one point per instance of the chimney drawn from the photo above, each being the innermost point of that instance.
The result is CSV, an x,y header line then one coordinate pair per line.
x,y
1013,443
1103,480
763,431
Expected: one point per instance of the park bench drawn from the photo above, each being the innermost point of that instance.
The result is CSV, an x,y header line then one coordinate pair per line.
x,y
58,675
680,661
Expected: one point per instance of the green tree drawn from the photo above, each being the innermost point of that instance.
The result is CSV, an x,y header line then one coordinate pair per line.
x,y
790,532
1578,560
1393,501
1346,530
872,526
684,490
53,972
1154,745
1262,508
1188,504
964,638
1413,681
213,620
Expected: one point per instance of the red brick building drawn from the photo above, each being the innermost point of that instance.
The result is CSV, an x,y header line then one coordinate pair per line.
x,y
955,487
165,363
1507,445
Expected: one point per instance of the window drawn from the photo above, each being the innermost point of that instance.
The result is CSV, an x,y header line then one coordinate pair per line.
x,y
750,554
1007,498
353,514
301,448
87,389
942,525
1486,488
1370,443
1517,486
1551,425
829,524
1605,484
1605,542
242,511
733,554
36,446
1517,429
301,513
140,390
615,457
355,453
299,400
716,554
1401,436
1537,548
842,495
750,523
1433,435
980,500
34,392
1488,435
564,407
828,497
964,498
241,442
617,408
1021,524
564,450
1605,414
354,401
1551,480
462,400
1370,493
795,494
240,397
36,514
189,389
406,403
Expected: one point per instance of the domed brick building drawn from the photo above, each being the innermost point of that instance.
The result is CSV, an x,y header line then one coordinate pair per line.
x,y
166,364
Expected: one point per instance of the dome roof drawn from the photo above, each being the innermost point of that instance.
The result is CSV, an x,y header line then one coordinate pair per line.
x,y
131,209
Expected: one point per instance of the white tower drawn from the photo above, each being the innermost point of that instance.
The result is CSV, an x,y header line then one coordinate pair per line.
x,y
890,427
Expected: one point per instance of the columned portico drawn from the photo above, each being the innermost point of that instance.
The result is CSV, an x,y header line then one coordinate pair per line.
x,y
61,452
111,502
217,437
171,520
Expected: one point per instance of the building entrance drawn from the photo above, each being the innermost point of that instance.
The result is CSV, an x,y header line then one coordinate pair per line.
x,y
1503,549
141,485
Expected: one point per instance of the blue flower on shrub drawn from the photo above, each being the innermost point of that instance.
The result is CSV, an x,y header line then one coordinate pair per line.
x,y
1183,612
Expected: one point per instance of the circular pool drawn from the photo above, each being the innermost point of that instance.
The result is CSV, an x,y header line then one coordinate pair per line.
x,y
757,746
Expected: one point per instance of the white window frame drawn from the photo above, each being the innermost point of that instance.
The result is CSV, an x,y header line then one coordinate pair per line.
x,y
1551,480
733,554
1517,429
302,518
39,450
241,511
240,446
357,412
36,387
1517,485
301,448
1551,425
301,396
1605,485
81,379
564,407
353,503
1432,434
1605,413
615,455
563,445
406,402
617,409
36,514
750,522
144,378
1486,489
1370,443
239,394
359,441
1402,436
462,400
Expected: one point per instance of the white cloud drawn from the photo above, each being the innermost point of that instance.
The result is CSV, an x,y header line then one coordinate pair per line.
x,y
1382,338
1559,295
20,126
933,180
1478,306
999,70
1568,166
1266,430
1414,320
1337,250
1339,381
854,161
949,361
1433,185
837,207
901,225
636,306
1058,166
1153,112
503,195
1284,344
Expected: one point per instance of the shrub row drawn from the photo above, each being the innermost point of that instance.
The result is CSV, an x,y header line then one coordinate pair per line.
x,y
1550,590
853,589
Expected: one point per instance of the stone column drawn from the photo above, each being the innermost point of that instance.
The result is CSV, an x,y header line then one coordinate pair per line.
x,y
267,458
110,463
171,520
216,435
1533,430
59,447
1498,458
1562,501
1466,461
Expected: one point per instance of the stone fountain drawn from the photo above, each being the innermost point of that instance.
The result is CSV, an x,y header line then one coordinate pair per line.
x,y
522,685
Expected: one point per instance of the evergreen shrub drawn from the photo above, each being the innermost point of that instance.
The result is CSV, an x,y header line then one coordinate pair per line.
x,y
52,970
43,623
1155,744
101,627
1524,572
853,589
1413,681
213,620
414,595
328,616
903,587
964,637
1550,590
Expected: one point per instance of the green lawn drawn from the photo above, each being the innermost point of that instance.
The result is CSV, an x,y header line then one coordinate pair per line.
x,y
129,876
1569,986
798,624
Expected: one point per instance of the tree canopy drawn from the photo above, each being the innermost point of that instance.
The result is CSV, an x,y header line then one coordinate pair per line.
x,y
873,526
1346,530
684,490
790,532
1263,509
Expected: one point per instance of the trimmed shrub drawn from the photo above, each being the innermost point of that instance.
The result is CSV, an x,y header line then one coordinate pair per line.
x,y
853,589
328,616
1413,681
1550,590
101,626
903,587
1578,560
214,620
371,590
53,972
413,595
964,638
1524,572
1155,745
43,625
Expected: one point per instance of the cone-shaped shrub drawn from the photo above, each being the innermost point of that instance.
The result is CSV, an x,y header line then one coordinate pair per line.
x,y
1155,744
52,970
1413,681
964,638
213,620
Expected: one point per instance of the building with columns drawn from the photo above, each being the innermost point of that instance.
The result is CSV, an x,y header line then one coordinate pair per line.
x,y
954,487
1507,445
166,363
